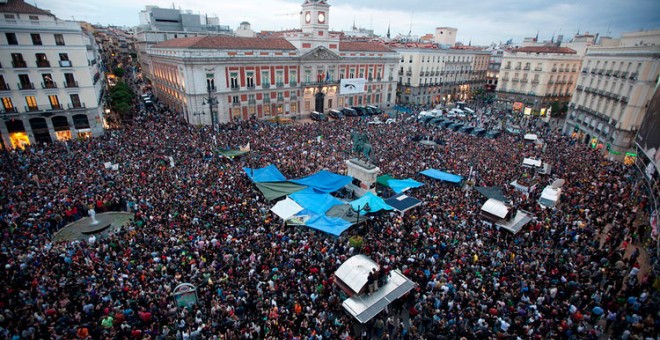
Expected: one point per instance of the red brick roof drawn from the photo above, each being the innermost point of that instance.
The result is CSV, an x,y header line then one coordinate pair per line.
x,y
362,46
544,49
19,6
220,42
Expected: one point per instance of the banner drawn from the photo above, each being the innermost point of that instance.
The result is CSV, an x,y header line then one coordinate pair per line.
x,y
352,86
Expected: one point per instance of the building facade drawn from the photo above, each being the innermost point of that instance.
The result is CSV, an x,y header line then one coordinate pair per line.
x,y
161,24
433,76
537,76
51,79
613,92
291,74
493,73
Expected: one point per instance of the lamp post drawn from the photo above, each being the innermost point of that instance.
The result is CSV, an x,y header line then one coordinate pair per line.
x,y
211,100
365,208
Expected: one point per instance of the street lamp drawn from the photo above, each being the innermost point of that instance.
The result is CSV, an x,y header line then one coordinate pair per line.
x,y
211,100
366,208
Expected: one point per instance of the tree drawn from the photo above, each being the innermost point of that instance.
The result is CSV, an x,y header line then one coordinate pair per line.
x,y
118,71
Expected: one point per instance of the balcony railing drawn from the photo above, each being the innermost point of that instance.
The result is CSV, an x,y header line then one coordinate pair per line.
x,y
633,76
585,70
409,73
535,81
236,104
526,68
251,86
65,63
25,86
294,83
32,108
48,85
57,107
43,63
70,84
234,87
279,84
78,106
4,87
11,110
553,69
265,85
19,64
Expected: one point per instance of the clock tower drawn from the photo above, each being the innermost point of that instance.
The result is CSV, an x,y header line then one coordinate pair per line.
x,y
314,17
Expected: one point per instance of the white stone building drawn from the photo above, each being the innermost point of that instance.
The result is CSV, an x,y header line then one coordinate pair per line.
x,y
51,80
537,76
289,74
613,91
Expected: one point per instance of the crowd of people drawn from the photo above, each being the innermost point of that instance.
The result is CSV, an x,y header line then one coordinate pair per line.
x,y
198,219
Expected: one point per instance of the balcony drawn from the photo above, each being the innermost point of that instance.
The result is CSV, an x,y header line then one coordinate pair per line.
x,y
56,107
68,84
579,88
293,83
535,81
48,85
517,68
65,63
524,80
250,86
279,84
4,87
76,106
234,87
585,70
26,86
252,102
409,73
633,76
19,64
32,108
554,69
551,81
236,104
43,63
624,100
265,85
505,78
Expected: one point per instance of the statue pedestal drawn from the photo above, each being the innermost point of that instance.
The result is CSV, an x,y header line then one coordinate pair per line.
x,y
364,172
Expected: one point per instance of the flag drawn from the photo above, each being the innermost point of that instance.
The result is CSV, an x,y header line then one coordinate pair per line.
x,y
245,148
327,76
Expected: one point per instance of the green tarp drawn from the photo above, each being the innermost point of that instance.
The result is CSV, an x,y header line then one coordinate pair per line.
x,y
275,190
382,180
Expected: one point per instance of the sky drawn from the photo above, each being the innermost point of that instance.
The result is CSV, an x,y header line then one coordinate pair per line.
x,y
479,22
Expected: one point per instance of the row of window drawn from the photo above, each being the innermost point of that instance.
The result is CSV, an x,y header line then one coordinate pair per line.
x,y
539,67
25,83
41,60
12,39
31,103
433,59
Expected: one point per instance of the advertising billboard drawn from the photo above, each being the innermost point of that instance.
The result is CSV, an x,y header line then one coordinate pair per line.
x,y
352,86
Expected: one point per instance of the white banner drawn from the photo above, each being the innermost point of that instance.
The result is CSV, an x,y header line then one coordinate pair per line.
x,y
352,86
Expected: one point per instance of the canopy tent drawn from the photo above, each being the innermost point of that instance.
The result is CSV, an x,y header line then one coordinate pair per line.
x,y
375,203
492,192
495,208
266,174
331,225
550,196
231,153
516,223
531,162
443,176
383,179
364,307
286,208
315,202
402,202
401,185
324,181
275,190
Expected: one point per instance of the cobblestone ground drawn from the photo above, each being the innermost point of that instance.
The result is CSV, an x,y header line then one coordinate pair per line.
x,y
83,228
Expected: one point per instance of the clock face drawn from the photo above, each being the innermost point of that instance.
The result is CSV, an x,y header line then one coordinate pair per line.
x,y
321,17
308,17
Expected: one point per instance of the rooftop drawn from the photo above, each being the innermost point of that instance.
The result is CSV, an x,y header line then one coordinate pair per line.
x,y
19,6
224,42
544,49
362,46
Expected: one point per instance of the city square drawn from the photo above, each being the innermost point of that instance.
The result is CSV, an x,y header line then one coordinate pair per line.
x,y
319,194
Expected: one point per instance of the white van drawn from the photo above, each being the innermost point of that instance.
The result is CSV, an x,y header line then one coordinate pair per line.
x,y
456,113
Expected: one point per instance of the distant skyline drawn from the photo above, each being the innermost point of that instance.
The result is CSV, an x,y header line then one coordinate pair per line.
x,y
480,22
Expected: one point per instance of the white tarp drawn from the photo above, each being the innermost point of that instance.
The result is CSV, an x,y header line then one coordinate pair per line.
x,y
352,85
531,162
550,196
286,208
365,306
495,207
354,272
515,224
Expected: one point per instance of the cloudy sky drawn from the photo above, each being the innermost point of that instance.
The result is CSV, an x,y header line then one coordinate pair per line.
x,y
481,22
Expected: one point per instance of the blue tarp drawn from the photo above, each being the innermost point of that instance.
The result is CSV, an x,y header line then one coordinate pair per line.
x,y
330,225
318,203
266,174
375,203
324,181
443,176
401,185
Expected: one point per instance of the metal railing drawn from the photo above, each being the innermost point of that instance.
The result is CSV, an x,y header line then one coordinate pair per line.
x,y
65,63
43,63
19,64
48,85
68,84
4,87
265,85
78,106
25,86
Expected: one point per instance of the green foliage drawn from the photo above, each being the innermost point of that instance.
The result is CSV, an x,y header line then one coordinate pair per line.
x,y
121,98
356,241
118,71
